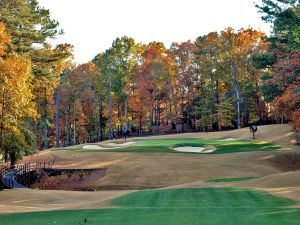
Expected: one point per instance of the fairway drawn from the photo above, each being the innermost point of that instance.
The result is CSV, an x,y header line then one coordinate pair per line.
x,y
168,145
215,206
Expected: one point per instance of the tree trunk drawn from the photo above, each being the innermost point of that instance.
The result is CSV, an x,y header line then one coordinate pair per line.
x,y
140,123
126,108
74,117
218,125
70,126
110,107
13,158
67,128
57,136
100,133
40,133
151,118
182,112
158,116
2,123
237,93
46,140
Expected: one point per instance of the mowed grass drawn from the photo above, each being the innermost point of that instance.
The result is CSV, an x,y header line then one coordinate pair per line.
x,y
209,206
167,145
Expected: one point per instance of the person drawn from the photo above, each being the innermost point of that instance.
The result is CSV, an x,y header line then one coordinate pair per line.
x,y
253,129
124,132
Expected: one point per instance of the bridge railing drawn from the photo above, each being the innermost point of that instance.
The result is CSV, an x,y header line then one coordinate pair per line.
x,y
33,166
21,169
4,169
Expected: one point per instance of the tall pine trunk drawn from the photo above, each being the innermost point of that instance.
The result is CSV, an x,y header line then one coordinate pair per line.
x,y
46,140
100,129
67,128
151,118
110,107
45,122
74,117
237,93
126,108
57,136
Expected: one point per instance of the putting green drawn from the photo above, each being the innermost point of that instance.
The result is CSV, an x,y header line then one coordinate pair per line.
x,y
167,146
215,206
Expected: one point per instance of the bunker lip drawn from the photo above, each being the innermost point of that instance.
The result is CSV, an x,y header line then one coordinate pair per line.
x,y
113,144
192,149
110,145
96,147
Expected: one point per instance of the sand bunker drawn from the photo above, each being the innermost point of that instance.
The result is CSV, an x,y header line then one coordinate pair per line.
x,y
228,139
121,144
205,149
92,147
110,146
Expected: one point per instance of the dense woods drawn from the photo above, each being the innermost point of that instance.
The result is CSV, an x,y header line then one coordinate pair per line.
x,y
222,80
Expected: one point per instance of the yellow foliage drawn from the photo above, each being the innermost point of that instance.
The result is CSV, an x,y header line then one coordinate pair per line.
x,y
4,39
16,97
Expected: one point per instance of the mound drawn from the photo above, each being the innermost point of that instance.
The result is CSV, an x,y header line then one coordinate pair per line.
x,y
287,161
29,200
288,179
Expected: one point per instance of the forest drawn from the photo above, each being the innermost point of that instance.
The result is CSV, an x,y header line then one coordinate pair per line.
x,y
218,81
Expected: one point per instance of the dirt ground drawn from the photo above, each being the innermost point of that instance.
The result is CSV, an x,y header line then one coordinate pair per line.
x,y
278,172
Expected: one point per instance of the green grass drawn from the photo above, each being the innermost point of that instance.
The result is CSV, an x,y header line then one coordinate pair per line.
x,y
237,179
167,145
208,206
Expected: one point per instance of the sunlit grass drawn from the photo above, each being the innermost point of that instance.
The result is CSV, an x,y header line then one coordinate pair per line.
x,y
209,206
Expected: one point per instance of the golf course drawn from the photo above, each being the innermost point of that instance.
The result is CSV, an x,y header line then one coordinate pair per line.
x,y
139,112
146,181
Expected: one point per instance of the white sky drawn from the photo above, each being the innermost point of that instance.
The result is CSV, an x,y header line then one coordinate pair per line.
x,y
92,25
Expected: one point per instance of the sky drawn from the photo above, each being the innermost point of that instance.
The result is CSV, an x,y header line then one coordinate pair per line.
x,y
92,25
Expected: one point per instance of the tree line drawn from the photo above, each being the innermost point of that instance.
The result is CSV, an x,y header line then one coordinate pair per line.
x,y
222,80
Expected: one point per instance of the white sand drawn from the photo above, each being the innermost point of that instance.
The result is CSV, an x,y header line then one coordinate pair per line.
x,y
121,144
110,146
92,147
228,139
194,149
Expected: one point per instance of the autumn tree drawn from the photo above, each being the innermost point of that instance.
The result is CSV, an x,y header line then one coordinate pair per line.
x,y
157,71
184,81
238,48
30,28
280,84
16,102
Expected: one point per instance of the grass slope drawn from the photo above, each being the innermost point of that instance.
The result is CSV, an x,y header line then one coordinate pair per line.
x,y
167,145
236,179
216,206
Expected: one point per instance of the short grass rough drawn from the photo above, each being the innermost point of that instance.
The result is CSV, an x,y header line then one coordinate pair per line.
x,y
235,179
209,206
167,146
